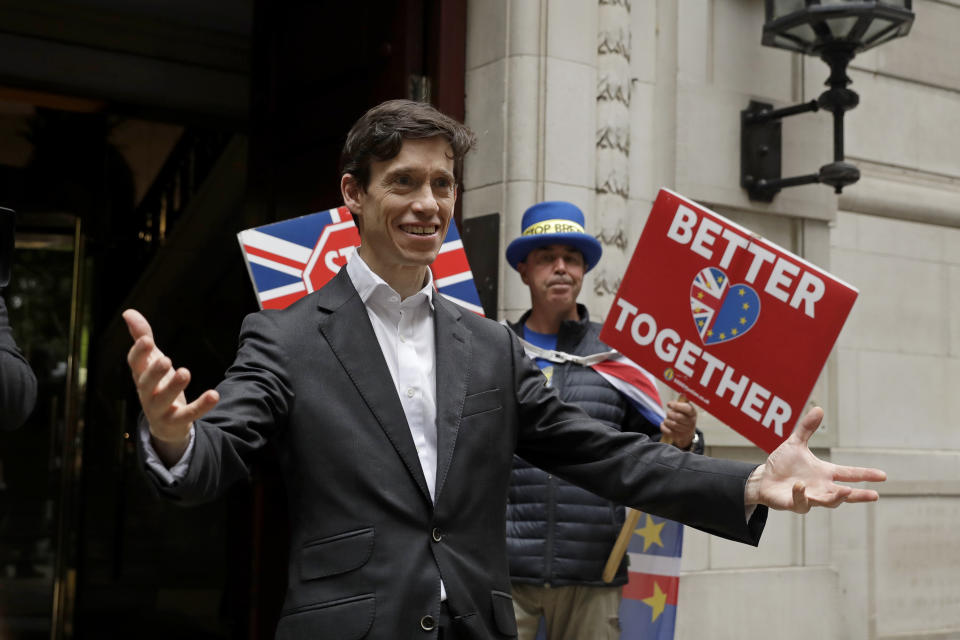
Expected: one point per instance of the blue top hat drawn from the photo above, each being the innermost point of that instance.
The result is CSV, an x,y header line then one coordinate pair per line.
x,y
549,223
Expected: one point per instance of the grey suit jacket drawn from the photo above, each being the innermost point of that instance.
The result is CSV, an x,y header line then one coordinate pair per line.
x,y
368,545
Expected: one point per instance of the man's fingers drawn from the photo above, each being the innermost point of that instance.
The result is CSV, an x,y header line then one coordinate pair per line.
x,y
141,354
151,377
678,430
800,502
683,408
199,407
833,499
137,325
807,425
862,495
170,387
858,474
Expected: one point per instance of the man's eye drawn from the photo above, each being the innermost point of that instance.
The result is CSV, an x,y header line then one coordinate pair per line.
x,y
442,184
403,181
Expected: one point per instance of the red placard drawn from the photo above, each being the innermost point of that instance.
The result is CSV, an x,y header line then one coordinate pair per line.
x,y
736,323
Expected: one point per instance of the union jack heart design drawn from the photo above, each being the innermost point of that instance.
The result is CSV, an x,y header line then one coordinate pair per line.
x,y
722,311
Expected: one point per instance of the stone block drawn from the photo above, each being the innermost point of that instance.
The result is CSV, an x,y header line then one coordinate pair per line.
x,y
900,238
953,317
917,563
695,55
525,22
843,231
951,245
571,124
848,426
523,123
781,603
696,550
901,306
486,32
572,31
780,547
644,31
903,401
486,104
739,61
642,141
904,124
483,200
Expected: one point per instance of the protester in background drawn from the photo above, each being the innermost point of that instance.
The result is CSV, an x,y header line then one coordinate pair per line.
x,y
559,536
396,415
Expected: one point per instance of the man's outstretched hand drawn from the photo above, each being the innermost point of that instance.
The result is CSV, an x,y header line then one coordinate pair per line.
x,y
160,389
793,479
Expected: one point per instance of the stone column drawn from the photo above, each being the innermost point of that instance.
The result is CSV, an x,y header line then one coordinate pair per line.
x,y
612,143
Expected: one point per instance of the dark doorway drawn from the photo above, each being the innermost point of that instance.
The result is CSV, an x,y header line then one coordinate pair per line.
x,y
87,551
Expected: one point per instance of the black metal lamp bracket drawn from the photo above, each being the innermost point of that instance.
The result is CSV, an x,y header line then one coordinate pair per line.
x,y
760,146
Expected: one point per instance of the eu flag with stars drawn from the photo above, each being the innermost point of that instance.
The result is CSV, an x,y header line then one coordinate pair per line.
x,y
649,607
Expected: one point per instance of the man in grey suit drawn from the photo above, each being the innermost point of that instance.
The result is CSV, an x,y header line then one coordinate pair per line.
x,y
396,415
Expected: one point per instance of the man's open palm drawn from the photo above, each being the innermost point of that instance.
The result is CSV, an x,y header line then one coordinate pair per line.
x,y
160,387
793,479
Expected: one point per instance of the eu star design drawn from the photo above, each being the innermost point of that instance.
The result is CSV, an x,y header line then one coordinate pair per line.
x,y
650,533
657,602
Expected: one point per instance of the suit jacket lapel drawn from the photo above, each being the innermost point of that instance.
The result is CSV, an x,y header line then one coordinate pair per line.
x,y
453,350
346,326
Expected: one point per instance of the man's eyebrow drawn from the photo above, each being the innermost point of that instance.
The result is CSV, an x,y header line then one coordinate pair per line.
x,y
414,170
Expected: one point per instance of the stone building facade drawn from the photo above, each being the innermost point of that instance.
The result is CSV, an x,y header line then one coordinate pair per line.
x,y
601,102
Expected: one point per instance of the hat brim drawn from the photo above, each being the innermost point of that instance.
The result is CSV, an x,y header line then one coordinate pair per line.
x,y
590,247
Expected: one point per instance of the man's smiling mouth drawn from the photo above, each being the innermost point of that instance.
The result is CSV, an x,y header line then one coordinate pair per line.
x,y
419,230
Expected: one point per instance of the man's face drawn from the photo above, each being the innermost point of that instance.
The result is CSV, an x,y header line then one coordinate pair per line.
x,y
407,206
554,274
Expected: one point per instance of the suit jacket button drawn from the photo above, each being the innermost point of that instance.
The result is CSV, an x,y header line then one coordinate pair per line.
x,y
428,623
436,535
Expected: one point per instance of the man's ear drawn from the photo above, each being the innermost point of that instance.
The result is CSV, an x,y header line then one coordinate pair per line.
x,y
522,270
352,193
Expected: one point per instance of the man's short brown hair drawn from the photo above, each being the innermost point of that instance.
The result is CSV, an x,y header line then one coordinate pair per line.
x,y
380,132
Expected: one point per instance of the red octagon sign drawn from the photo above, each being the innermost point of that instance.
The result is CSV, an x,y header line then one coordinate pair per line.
x,y
337,241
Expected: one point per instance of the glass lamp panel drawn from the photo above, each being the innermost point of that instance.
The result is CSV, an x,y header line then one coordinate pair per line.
x,y
782,8
875,28
840,27
786,43
804,32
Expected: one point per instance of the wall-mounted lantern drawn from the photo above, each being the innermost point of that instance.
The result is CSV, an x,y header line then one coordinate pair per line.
x,y
835,30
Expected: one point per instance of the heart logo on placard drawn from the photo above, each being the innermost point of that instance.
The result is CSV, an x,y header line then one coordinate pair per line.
x,y
722,311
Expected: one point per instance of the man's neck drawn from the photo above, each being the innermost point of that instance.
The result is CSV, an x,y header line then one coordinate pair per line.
x,y
405,280
548,320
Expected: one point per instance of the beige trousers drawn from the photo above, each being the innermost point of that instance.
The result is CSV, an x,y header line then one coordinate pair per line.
x,y
571,613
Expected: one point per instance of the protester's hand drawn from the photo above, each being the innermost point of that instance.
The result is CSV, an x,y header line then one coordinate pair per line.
x,y
680,425
793,479
160,389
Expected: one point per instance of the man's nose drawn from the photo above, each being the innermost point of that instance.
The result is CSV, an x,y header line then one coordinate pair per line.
x,y
425,201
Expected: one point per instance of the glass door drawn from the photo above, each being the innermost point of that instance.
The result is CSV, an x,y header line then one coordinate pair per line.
x,y
40,463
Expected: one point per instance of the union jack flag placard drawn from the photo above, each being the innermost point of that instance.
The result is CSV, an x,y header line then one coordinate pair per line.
x,y
292,258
